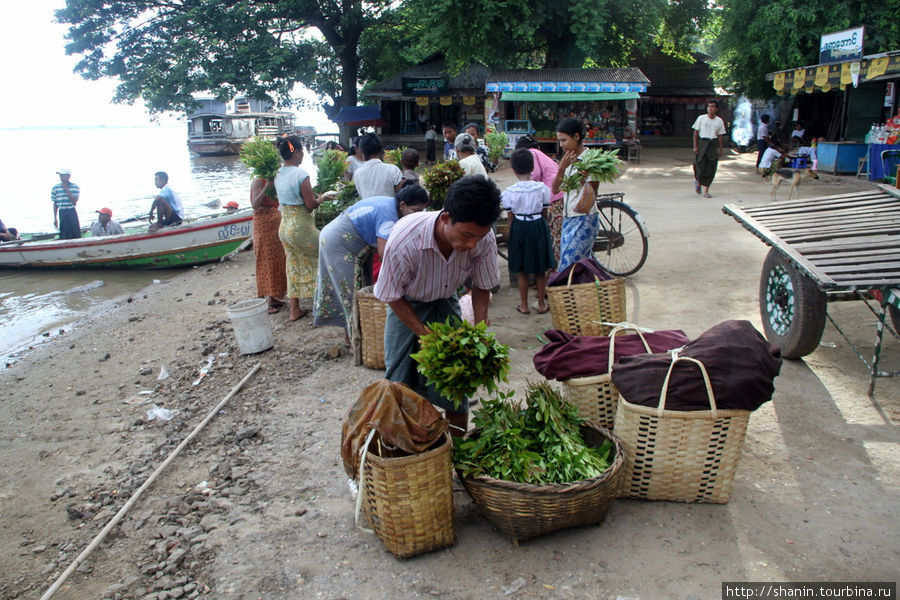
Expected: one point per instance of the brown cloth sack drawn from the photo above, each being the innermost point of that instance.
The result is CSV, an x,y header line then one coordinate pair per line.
x,y
740,362
403,419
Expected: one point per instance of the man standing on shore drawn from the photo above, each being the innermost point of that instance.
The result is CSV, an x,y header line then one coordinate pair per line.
x,y
707,151
428,256
65,196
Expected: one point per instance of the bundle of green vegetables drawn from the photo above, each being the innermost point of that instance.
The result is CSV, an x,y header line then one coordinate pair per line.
x,y
392,157
595,163
457,358
438,180
496,142
335,205
261,156
331,168
539,445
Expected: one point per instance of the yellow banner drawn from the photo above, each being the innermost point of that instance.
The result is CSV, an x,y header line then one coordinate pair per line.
x,y
821,76
779,81
799,78
845,74
446,100
877,67
422,100
469,100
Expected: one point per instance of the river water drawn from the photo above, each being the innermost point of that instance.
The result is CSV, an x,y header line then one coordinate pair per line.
x,y
113,167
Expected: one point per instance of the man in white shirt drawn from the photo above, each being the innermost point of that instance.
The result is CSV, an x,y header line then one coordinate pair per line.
x,y
762,137
707,129
373,177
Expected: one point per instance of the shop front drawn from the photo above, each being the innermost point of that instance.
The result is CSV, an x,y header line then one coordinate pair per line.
x,y
533,101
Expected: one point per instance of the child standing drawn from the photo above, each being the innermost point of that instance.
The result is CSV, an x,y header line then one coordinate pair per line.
x,y
530,247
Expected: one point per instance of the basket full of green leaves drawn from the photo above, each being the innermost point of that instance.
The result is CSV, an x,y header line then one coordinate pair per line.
x,y
330,167
457,358
438,180
335,205
541,469
261,156
597,164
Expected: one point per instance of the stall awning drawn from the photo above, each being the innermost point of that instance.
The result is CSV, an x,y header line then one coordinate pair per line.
x,y
567,96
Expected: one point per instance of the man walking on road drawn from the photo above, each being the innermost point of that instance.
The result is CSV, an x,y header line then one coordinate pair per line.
x,y
707,151
65,196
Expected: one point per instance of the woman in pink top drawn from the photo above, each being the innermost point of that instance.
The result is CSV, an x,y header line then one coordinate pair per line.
x,y
545,169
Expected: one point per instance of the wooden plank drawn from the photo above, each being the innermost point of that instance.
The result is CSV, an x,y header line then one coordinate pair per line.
x,y
841,230
888,267
835,216
820,203
812,237
840,224
868,283
848,256
858,243
853,206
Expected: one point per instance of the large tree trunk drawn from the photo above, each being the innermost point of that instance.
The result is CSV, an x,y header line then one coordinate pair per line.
x,y
349,93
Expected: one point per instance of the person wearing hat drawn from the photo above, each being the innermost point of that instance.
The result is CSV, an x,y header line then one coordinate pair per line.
x,y
104,225
65,196
232,206
465,152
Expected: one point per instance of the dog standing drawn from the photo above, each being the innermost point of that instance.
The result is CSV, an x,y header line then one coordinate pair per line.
x,y
796,176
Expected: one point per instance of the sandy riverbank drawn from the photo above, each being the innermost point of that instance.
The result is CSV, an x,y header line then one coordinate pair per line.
x,y
258,507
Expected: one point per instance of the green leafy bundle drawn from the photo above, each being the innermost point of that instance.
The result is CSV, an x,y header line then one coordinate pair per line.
x,y
438,180
539,445
496,142
458,358
392,157
602,165
331,168
261,156
332,207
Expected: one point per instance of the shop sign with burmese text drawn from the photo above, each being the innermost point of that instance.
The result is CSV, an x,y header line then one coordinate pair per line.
x,y
842,46
425,86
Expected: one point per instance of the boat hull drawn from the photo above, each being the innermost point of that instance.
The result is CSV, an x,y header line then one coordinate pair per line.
x,y
194,243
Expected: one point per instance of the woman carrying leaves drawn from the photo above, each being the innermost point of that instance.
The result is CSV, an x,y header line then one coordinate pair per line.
x,y
297,232
581,220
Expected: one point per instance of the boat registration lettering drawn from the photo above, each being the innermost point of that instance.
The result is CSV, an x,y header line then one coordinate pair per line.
x,y
234,230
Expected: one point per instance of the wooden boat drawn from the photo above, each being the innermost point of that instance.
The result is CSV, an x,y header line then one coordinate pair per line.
x,y
215,131
191,243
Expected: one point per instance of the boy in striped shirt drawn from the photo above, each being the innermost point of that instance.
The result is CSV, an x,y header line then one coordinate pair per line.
x,y
428,256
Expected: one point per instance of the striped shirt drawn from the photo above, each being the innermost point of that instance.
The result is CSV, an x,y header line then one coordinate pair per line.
x,y
413,265
61,198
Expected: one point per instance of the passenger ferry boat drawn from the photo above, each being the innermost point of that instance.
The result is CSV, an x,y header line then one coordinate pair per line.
x,y
217,129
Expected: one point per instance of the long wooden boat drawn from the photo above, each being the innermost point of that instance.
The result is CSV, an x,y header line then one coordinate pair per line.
x,y
191,243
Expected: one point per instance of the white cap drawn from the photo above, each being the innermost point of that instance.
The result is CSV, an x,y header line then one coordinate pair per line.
x,y
64,172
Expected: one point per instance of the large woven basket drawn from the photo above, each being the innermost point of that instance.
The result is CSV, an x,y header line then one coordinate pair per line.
x,y
595,396
582,308
685,456
372,315
409,499
522,511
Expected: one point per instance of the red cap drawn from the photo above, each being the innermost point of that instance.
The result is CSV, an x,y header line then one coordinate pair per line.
x,y
232,204
105,211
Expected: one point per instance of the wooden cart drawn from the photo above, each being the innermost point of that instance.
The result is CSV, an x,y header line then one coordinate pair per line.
x,y
844,247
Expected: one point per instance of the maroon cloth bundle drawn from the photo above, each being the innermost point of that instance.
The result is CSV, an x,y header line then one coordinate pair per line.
x,y
585,270
740,362
567,356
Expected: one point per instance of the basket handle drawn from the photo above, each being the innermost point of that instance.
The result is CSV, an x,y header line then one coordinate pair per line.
x,y
362,463
665,386
572,272
623,326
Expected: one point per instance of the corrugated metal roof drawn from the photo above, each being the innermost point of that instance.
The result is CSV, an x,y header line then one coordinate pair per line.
x,y
625,75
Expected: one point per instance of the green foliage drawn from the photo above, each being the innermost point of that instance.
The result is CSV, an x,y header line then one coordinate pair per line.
x,y
438,180
262,157
331,167
457,358
602,165
331,208
539,445
392,157
496,142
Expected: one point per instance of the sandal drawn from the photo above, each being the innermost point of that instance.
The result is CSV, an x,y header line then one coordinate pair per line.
x,y
696,186
543,311
273,309
707,195
524,312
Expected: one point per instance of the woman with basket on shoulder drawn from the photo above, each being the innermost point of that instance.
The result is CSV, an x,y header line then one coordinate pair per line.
x,y
581,219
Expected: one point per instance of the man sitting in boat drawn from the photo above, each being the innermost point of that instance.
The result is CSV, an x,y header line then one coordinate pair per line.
x,y
166,205
7,235
104,225
232,206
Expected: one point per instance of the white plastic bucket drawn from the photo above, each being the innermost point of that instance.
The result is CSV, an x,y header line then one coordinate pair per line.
x,y
252,326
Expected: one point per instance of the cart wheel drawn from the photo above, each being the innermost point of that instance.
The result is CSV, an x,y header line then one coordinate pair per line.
x,y
792,307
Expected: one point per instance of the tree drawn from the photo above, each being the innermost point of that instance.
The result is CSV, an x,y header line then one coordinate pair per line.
x,y
165,51
762,37
555,34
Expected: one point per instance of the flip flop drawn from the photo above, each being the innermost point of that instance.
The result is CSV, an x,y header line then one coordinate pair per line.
x,y
545,311
273,309
524,312
707,195
696,186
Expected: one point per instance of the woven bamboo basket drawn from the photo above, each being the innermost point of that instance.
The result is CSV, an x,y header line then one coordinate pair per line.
x,y
372,315
522,511
581,309
685,456
408,500
595,396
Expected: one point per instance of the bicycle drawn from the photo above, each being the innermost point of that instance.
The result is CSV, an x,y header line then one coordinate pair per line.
x,y
623,241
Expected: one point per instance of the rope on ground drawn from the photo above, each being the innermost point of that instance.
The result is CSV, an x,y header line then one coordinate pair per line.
x,y
122,511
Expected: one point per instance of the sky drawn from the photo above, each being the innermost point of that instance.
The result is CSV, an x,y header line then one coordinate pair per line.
x,y
40,88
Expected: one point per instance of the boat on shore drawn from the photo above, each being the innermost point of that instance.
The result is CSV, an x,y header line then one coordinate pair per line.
x,y
216,129
194,242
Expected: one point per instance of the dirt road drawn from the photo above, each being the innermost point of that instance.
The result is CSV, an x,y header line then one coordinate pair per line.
x,y
259,506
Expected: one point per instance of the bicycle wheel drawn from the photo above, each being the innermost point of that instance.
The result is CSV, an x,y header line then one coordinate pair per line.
x,y
621,246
